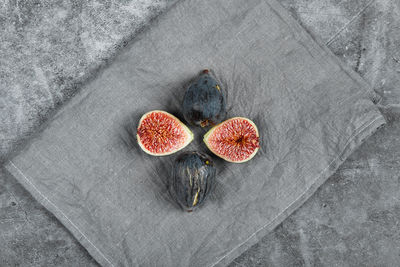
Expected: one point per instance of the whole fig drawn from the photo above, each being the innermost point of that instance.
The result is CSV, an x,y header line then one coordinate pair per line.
x,y
204,101
192,180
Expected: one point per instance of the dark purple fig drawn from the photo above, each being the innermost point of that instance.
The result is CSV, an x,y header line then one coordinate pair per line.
x,y
193,176
204,102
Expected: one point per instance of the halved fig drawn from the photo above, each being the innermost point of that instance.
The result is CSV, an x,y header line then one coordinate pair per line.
x,y
235,140
160,133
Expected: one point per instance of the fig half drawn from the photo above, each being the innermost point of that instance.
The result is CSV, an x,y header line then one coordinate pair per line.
x,y
160,133
235,140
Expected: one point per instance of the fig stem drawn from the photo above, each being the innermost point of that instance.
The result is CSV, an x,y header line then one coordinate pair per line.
x,y
205,71
204,123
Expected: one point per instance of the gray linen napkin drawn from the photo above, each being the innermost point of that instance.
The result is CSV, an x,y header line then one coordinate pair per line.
x,y
311,110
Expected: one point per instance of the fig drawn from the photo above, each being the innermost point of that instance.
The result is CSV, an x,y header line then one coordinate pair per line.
x,y
160,133
192,180
204,101
235,140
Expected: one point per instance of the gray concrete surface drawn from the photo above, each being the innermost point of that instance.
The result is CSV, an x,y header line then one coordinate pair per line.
x,y
30,235
352,220
49,48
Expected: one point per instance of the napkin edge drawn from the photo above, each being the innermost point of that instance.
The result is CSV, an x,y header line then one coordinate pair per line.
x,y
95,252
354,142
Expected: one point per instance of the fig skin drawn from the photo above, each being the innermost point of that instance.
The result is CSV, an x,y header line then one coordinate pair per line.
x,y
204,101
193,177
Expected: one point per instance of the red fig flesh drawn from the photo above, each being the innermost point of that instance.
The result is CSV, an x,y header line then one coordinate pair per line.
x,y
235,140
160,133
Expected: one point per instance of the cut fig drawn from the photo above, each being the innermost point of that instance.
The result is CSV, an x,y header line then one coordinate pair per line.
x,y
235,140
160,133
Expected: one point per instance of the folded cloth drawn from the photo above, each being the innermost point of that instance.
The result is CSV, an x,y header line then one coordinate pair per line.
x,y
311,111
